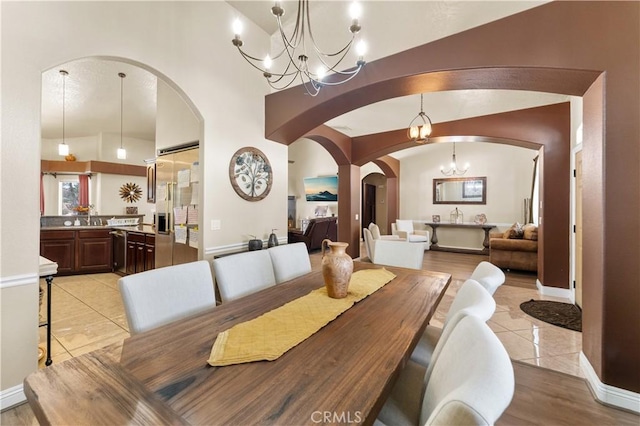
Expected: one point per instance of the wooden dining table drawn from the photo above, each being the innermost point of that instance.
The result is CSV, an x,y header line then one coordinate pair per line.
x,y
340,375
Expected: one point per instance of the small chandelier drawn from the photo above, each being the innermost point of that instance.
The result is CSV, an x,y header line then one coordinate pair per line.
x,y
453,170
420,127
122,153
63,148
294,58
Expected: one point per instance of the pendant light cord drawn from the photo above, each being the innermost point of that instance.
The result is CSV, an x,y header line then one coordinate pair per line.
x,y
122,76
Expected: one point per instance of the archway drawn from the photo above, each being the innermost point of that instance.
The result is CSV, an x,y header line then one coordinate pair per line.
x,y
550,48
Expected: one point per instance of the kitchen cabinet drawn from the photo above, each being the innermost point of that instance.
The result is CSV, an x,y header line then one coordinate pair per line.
x,y
59,247
94,252
140,252
78,251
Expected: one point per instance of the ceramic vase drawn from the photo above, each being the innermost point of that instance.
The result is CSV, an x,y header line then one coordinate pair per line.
x,y
337,267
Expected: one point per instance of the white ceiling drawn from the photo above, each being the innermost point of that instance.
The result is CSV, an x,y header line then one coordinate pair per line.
x,y
93,86
92,100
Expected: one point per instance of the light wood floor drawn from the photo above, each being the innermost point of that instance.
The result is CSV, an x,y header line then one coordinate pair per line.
x,y
555,395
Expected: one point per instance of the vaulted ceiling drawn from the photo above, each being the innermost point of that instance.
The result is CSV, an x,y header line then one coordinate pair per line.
x,y
92,103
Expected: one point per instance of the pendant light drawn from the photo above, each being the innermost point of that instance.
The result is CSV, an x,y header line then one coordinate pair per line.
x,y
122,153
453,169
420,127
63,148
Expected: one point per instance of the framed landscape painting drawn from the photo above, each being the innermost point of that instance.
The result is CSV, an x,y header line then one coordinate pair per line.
x,y
324,188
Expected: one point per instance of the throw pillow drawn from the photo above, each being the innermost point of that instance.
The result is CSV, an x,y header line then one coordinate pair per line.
x,y
515,232
530,232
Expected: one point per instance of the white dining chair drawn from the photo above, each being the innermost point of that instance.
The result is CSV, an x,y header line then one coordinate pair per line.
x,y
471,299
241,274
471,383
289,261
489,276
160,296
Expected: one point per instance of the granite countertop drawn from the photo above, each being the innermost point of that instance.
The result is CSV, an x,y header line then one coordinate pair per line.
x,y
144,228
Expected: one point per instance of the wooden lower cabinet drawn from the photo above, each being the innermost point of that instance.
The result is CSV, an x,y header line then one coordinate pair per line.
x,y
140,252
94,252
78,251
60,247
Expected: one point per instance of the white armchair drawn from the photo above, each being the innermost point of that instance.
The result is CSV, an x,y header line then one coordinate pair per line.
x,y
375,233
393,252
404,230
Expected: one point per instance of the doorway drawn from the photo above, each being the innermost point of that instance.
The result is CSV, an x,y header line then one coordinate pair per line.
x,y
368,204
578,231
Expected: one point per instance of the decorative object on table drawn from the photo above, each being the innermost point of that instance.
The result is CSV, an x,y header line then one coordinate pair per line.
x,y
456,216
131,210
70,157
130,192
480,219
290,222
273,239
564,315
254,243
337,267
250,174
321,211
435,218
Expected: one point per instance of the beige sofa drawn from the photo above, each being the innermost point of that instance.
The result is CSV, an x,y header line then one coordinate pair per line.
x,y
514,250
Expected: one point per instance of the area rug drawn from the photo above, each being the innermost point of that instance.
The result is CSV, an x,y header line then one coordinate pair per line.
x,y
557,313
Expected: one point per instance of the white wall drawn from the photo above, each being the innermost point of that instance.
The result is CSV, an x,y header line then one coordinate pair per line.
x,y
176,124
310,160
508,170
185,43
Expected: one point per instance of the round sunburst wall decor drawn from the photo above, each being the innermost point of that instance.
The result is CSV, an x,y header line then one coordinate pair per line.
x,y
130,192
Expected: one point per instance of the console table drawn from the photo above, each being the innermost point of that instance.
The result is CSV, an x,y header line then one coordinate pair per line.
x,y
434,237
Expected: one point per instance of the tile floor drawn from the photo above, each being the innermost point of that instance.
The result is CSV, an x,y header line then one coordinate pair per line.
x,y
88,314
526,338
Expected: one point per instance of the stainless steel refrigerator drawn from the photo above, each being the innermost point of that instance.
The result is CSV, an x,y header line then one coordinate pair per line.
x,y
177,205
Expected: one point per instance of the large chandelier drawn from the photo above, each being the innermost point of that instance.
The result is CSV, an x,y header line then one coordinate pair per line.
x,y
295,62
420,127
453,169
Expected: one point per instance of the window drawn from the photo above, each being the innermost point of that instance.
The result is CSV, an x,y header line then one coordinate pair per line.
x,y
68,192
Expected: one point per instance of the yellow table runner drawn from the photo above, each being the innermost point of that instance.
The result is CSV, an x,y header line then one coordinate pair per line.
x,y
270,335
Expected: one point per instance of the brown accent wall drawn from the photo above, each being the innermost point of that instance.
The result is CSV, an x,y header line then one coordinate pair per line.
x,y
348,207
561,47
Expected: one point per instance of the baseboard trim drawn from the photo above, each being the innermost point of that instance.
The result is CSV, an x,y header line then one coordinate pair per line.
x,y
607,394
553,291
11,397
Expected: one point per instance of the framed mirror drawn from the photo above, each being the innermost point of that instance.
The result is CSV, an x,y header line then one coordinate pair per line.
x,y
465,190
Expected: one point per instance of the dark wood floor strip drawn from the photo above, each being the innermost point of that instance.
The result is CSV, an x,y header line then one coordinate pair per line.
x,y
549,398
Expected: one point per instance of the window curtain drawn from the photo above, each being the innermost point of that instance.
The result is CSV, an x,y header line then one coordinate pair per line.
x,y
83,190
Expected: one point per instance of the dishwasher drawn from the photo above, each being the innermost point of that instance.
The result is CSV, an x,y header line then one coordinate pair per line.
x,y
119,251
